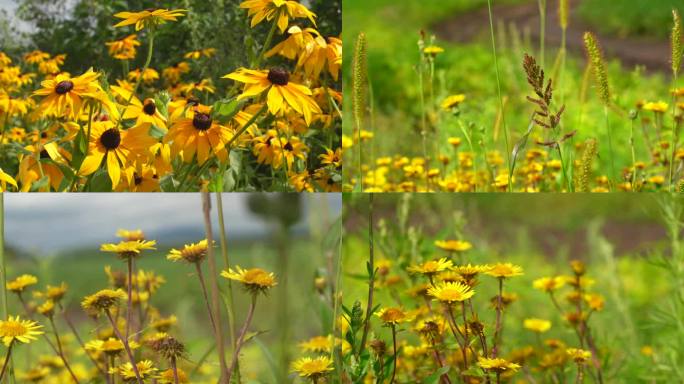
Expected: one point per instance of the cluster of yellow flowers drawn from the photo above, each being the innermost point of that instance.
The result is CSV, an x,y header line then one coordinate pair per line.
x,y
147,132
441,329
133,340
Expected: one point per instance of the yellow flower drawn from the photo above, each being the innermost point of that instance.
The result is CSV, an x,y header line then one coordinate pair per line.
x,y
647,350
200,135
392,316
453,245
15,329
657,107
103,300
452,101
190,253
128,249
148,76
47,308
255,280
148,19
497,365
110,346
431,267
449,292
131,235
65,96
5,179
145,368
281,91
537,325
167,376
549,284
578,355
313,368
503,270
17,285
433,50
261,10
469,271
123,49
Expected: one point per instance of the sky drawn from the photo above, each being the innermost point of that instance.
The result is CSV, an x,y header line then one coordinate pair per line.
x,y
52,223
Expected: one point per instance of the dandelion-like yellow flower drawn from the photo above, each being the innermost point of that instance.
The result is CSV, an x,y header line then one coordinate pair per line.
x,y
47,309
168,376
537,325
450,292
145,368
255,280
453,245
129,249
110,346
549,284
54,293
497,365
431,267
312,368
504,270
657,107
103,300
468,272
20,283
453,101
578,355
148,18
131,235
15,329
433,50
393,316
190,253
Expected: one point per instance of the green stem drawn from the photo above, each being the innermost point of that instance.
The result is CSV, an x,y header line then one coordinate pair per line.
x,y
610,143
241,337
631,144
371,276
6,362
501,103
394,347
127,347
674,134
150,49
269,39
542,30
3,261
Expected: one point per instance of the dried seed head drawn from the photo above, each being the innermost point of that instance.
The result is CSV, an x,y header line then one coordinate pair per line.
x,y
359,80
598,65
677,48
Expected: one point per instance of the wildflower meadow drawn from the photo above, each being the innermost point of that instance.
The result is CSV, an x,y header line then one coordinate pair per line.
x,y
514,96
171,107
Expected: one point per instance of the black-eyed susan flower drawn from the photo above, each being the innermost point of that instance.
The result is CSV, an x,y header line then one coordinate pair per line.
x,y
129,248
112,147
103,300
451,292
148,18
15,329
537,325
284,10
313,368
148,76
190,253
20,283
255,280
65,96
124,49
281,91
145,114
199,135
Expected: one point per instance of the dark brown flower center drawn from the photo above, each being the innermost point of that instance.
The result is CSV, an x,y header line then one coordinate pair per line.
x,y
288,147
137,179
44,154
201,121
278,76
64,87
149,108
111,138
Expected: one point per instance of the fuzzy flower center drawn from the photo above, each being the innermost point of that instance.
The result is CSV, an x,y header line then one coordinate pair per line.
x,y
201,121
111,139
13,329
149,108
278,76
64,87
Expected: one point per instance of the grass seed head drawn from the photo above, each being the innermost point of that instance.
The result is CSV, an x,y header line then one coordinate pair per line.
x,y
677,48
598,64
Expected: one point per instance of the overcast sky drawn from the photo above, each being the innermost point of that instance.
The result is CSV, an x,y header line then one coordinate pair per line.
x,y
50,223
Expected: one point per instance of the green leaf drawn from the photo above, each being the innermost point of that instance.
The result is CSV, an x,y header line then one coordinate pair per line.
x,y
226,109
101,182
40,183
434,378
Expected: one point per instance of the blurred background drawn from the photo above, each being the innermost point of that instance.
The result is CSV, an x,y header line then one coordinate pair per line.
x,y
57,237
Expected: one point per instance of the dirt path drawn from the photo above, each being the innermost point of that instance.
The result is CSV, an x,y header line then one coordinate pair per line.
x,y
653,54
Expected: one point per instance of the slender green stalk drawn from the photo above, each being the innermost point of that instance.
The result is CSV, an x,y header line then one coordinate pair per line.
x,y
675,137
542,30
394,347
214,308
501,103
3,261
269,39
7,360
126,345
631,144
226,262
241,337
148,60
499,317
610,143
371,276
61,350
176,379
129,304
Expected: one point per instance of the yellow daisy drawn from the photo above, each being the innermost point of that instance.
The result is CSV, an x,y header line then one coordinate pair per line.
x,y
312,368
15,329
64,96
190,253
200,135
261,10
20,283
148,18
537,325
450,292
503,270
129,248
255,280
